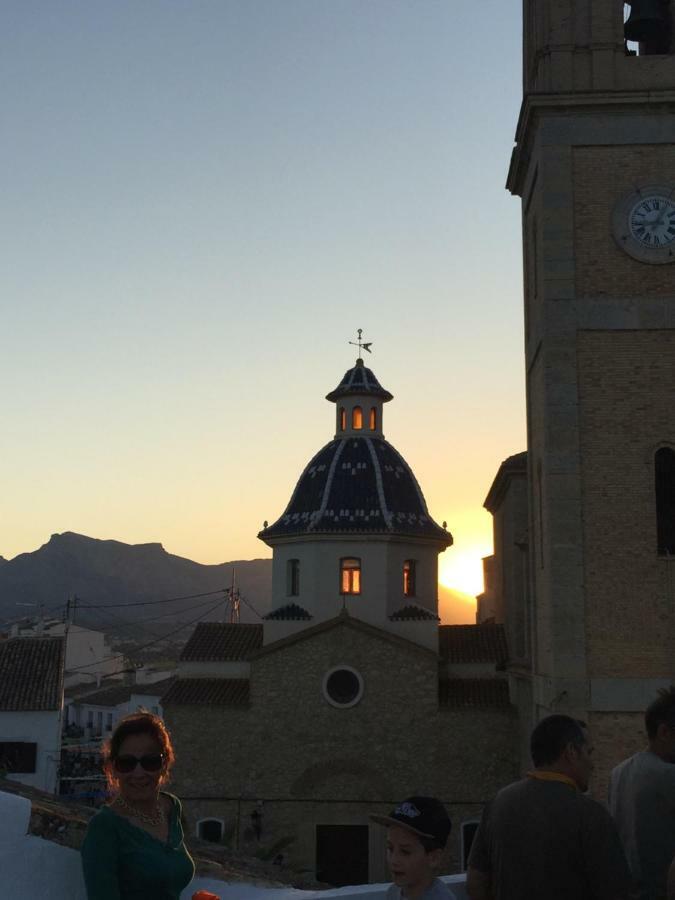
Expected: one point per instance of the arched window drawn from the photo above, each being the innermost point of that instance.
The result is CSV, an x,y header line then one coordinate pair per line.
x,y
409,578
373,418
210,830
357,418
293,577
343,419
664,476
350,575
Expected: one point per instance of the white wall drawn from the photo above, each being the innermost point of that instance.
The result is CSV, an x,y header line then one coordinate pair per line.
x,y
35,868
44,729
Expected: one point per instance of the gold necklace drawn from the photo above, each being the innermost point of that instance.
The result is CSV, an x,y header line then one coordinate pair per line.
x,y
157,819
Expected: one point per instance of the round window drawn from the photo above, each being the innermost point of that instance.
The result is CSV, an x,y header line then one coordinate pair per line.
x,y
343,686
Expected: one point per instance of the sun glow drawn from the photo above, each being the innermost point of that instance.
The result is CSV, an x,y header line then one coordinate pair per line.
x,y
462,570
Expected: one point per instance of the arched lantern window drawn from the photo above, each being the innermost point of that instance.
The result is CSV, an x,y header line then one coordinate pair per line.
x,y
357,418
350,575
343,419
373,418
409,578
293,578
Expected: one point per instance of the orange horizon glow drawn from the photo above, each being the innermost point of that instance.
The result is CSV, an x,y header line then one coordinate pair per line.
x,y
463,570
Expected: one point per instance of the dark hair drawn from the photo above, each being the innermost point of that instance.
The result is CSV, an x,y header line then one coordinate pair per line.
x,y
141,722
661,711
552,735
430,843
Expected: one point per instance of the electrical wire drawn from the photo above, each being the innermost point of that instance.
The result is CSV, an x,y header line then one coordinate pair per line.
x,y
148,602
150,643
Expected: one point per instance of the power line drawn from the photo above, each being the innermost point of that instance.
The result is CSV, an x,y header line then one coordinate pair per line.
x,y
126,623
148,602
150,643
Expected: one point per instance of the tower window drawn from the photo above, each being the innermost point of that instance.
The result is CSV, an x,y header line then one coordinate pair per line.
x,y
350,575
409,578
373,418
664,472
343,419
293,578
357,418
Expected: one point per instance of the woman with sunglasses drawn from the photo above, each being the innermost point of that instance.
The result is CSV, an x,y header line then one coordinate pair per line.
x,y
134,846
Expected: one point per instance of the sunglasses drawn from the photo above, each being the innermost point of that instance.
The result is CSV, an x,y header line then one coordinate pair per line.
x,y
151,762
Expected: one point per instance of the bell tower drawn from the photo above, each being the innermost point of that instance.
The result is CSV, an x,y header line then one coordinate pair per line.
x,y
594,166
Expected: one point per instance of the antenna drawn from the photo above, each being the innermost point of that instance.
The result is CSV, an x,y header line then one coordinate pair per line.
x,y
234,599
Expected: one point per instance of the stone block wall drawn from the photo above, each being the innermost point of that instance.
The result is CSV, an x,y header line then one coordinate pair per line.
x,y
302,762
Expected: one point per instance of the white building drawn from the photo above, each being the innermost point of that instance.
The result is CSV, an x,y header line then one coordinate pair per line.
x,y
31,707
89,657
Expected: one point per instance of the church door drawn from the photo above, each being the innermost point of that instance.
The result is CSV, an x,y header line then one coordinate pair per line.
x,y
342,854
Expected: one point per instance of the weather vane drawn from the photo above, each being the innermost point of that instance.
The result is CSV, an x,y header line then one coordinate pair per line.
x,y
362,345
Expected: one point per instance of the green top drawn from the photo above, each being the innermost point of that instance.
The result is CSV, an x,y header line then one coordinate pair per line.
x,y
124,862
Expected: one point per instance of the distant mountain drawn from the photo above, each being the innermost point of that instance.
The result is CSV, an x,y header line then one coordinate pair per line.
x,y
111,574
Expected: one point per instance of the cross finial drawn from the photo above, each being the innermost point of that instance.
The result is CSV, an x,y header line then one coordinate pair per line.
x,y
362,345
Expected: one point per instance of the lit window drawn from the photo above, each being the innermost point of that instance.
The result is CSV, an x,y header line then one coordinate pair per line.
x,y
357,418
350,575
409,573
343,419
664,472
373,418
293,578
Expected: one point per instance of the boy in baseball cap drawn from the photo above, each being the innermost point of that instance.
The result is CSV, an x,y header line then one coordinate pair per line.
x,y
417,832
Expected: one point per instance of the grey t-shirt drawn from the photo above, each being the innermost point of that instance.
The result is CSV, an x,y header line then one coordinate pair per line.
x,y
544,839
436,891
642,803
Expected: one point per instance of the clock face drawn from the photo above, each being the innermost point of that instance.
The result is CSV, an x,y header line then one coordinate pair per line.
x,y
644,223
652,221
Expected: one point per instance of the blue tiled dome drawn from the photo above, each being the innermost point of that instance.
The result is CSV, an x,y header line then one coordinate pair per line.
x,y
357,485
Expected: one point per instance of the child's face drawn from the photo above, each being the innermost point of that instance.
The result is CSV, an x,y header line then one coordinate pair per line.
x,y
412,868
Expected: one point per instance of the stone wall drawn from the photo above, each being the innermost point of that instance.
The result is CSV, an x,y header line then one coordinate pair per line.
x,y
300,762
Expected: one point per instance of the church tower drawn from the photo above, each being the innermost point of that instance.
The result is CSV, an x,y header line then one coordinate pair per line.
x,y
594,165
356,536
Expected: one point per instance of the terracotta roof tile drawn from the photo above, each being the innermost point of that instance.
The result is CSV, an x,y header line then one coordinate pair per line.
x,y
468,693
211,641
472,643
412,613
31,673
207,692
121,693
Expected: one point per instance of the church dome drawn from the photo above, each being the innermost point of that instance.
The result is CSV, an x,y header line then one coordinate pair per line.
x,y
358,483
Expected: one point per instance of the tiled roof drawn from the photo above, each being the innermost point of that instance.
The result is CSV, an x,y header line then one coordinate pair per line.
x,y
31,673
470,693
412,613
223,642
290,612
359,380
357,485
121,693
472,643
207,692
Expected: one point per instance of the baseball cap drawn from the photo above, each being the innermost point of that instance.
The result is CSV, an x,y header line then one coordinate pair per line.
x,y
424,816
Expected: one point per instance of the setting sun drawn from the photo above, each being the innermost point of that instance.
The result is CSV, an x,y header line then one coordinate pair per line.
x,y
463,569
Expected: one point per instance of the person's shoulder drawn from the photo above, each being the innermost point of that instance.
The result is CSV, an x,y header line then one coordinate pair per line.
x,y
103,826
171,803
594,812
393,893
442,891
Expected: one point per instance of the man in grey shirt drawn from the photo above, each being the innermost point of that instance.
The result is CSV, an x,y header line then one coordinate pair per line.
x,y
642,802
542,838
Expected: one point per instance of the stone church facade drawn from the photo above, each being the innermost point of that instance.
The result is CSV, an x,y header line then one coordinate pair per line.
x,y
349,695
594,166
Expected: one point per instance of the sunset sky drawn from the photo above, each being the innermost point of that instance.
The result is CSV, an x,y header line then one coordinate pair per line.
x,y
203,201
